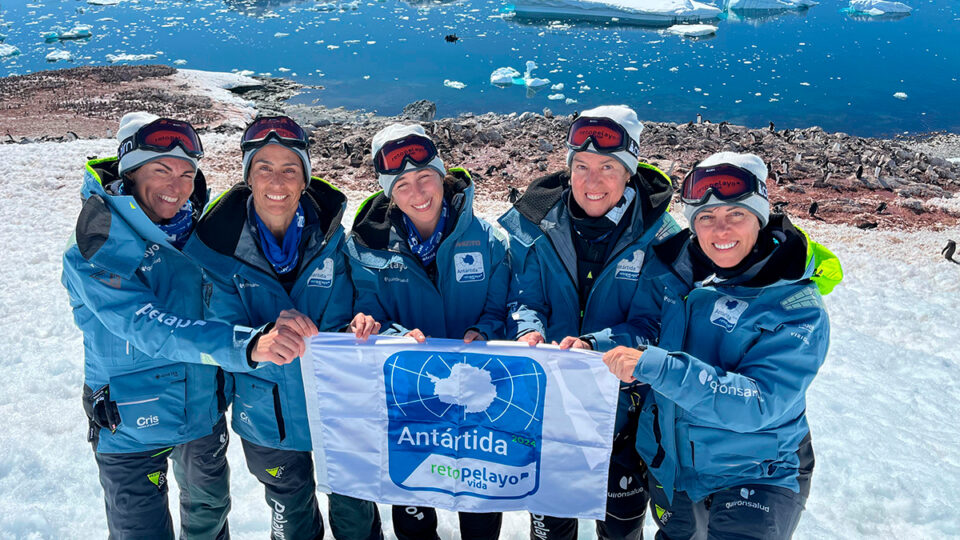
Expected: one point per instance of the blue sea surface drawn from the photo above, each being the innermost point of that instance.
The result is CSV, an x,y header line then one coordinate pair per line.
x,y
820,66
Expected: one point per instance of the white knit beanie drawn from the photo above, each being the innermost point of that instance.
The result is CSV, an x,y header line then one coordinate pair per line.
x,y
627,118
758,203
394,132
129,125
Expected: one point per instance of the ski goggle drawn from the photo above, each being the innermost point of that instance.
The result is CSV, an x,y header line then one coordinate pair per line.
x,y
725,182
393,156
283,129
163,135
605,135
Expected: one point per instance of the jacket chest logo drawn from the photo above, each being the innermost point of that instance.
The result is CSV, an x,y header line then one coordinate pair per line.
x,y
629,269
322,276
469,266
727,311
150,252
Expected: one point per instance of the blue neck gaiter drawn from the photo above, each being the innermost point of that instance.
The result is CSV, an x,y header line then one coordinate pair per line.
x,y
426,250
284,257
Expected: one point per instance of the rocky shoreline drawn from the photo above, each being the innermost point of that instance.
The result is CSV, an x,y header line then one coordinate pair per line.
x,y
835,177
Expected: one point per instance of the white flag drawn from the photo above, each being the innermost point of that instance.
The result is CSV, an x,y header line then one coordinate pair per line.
x,y
484,427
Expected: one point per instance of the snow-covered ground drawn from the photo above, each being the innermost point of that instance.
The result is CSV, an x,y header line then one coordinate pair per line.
x,y
883,410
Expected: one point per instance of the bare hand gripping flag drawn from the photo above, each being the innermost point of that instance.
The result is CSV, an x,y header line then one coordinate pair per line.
x,y
484,427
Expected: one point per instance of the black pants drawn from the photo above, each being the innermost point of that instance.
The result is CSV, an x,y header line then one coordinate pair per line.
x,y
135,489
627,495
291,493
743,512
627,499
420,523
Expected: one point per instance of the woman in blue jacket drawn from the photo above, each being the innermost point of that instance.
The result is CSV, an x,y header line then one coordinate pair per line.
x,y
271,243
578,240
424,265
153,384
735,302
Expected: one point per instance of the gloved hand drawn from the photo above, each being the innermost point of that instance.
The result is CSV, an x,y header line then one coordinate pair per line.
x,y
101,411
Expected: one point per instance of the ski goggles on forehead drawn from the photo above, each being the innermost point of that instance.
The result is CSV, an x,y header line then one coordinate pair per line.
x,y
163,135
283,129
725,182
392,158
605,135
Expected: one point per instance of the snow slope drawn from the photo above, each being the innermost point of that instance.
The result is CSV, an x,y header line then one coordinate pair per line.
x,y
883,409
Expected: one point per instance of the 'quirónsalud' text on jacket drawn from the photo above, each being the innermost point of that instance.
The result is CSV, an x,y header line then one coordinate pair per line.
x,y
473,271
137,301
241,287
733,363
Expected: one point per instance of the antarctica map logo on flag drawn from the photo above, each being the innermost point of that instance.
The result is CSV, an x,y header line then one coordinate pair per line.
x,y
464,423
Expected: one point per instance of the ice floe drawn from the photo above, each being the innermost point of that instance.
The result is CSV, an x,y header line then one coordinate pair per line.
x,y
114,58
692,30
879,7
530,80
900,95
456,85
653,12
55,56
80,31
772,5
7,51
103,2
504,76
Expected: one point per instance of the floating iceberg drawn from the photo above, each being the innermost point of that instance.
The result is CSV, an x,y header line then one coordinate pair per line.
x,y
650,12
900,95
530,80
505,76
456,85
7,51
114,58
767,5
80,31
879,7
103,2
556,97
692,30
56,56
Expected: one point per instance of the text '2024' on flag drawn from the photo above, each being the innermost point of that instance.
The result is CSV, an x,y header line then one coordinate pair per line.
x,y
480,427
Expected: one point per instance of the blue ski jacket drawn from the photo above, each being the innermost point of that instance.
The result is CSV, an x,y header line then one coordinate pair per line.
x,y
241,287
147,350
473,270
543,294
732,366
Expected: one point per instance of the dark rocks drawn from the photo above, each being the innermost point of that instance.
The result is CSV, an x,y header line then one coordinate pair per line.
x,y
914,205
420,111
544,145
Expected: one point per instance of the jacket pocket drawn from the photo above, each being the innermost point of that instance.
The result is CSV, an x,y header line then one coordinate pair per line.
x,y
152,403
257,413
720,452
649,437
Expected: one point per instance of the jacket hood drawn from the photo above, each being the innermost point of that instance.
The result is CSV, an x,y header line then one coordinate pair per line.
x,y
654,191
223,222
795,257
374,224
112,230
101,177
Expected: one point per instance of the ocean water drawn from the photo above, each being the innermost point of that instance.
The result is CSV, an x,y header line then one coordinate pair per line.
x,y
820,66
